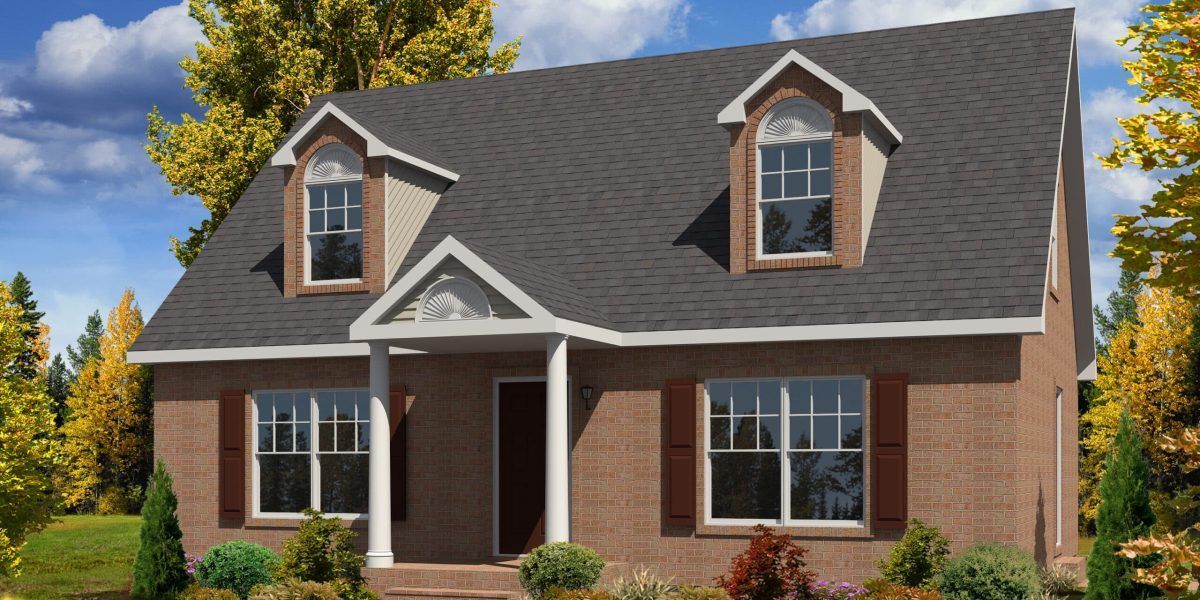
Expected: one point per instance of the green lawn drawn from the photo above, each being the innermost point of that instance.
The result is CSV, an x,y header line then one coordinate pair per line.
x,y
79,557
1085,545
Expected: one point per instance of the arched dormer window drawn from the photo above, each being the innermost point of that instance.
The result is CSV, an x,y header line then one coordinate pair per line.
x,y
795,180
333,218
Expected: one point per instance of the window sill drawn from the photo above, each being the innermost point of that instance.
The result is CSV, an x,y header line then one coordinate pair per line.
x,y
294,521
799,531
798,262
333,288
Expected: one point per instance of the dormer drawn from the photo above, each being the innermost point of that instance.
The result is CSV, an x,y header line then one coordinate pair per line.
x,y
356,193
807,155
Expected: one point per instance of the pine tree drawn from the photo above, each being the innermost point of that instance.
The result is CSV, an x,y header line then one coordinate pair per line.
x,y
58,386
29,362
1122,308
160,569
1124,515
88,344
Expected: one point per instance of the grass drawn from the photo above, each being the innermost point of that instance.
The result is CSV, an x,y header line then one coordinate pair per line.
x,y
82,556
1085,545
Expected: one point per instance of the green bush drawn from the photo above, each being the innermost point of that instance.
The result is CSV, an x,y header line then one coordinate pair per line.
x,y
237,566
689,592
1124,515
642,584
160,569
560,565
195,592
294,589
990,572
322,551
918,558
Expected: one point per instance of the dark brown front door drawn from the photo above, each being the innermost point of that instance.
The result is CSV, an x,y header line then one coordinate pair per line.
x,y
521,466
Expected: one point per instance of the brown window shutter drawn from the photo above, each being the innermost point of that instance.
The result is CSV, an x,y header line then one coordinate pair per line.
x,y
889,451
679,441
232,484
396,410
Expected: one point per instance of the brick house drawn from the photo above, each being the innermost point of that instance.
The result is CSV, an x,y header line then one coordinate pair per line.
x,y
827,284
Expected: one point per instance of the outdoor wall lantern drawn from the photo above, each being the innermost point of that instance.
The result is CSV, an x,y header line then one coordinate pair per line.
x,y
586,392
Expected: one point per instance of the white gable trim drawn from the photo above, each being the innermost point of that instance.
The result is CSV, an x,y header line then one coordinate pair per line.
x,y
852,100
372,318
158,357
286,155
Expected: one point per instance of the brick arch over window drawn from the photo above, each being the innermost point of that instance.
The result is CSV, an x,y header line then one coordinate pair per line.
x,y
322,140
793,83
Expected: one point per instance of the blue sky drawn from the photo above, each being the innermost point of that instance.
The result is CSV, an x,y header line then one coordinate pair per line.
x,y
85,214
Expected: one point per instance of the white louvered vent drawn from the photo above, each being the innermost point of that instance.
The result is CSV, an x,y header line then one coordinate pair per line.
x,y
795,119
334,162
454,299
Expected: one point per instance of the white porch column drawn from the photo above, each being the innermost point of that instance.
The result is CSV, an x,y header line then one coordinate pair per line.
x,y
379,518
558,455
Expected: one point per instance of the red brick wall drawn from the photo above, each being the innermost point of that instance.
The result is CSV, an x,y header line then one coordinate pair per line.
x,y
1047,363
795,82
969,457
293,195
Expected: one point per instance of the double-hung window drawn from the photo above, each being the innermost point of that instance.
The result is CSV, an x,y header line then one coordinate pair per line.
x,y
295,469
334,214
785,451
795,181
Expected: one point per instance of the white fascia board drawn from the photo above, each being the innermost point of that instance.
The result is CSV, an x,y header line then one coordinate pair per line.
x,y
744,335
158,357
369,325
286,155
852,100
857,331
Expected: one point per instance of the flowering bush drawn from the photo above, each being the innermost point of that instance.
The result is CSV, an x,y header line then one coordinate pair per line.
x,y
771,568
837,590
191,561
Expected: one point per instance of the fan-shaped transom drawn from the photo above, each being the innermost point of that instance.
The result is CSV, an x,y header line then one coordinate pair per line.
x,y
795,119
334,162
454,299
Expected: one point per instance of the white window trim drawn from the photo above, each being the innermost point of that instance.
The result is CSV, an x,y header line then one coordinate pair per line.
x,y
785,461
758,199
310,181
314,492
1058,466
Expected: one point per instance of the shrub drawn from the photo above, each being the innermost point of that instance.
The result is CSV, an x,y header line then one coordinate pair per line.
x,y
237,566
689,592
989,572
918,558
322,551
560,565
294,589
119,500
160,570
561,594
1058,582
837,590
1124,515
882,589
642,584
195,592
772,567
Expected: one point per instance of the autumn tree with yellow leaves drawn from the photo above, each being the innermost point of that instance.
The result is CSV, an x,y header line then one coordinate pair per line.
x,y
1166,139
263,61
1145,370
107,439
28,449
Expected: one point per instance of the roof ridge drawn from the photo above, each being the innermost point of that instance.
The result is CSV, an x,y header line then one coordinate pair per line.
x,y
651,57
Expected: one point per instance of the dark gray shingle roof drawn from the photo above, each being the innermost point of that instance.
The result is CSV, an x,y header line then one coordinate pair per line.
x,y
614,178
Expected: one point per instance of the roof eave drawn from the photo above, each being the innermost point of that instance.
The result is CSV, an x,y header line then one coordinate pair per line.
x,y
286,155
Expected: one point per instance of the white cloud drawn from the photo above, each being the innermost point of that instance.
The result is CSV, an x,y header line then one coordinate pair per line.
x,y
20,161
563,33
1100,22
12,107
86,51
103,156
